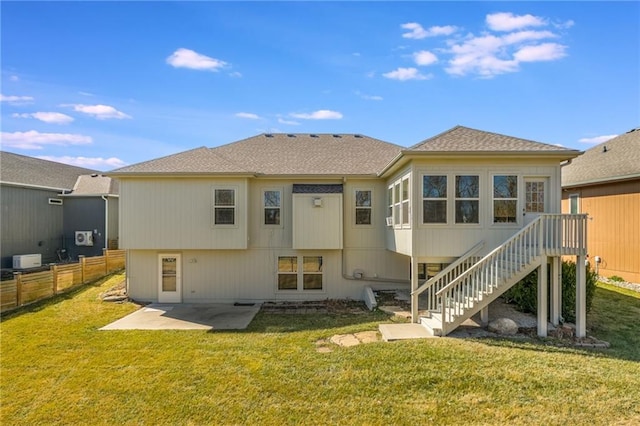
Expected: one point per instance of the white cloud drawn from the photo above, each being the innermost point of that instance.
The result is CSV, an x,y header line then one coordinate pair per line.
x,y
86,94
597,139
507,21
541,52
368,97
235,74
47,117
323,114
248,115
424,57
36,140
98,163
101,112
14,78
417,32
289,122
526,36
404,74
16,100
187,58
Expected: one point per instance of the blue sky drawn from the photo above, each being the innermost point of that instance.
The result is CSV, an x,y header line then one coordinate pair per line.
x,y
104,85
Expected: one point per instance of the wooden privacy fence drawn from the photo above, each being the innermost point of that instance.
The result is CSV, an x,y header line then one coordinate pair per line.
x,y
27,288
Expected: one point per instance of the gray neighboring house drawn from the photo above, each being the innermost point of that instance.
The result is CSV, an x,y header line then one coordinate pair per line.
x,y
37,205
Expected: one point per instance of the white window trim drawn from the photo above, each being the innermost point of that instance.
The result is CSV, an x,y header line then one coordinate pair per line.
x,y
577,197
478,174
446,199
300,275
520,189
398,204
405,203
235,206
262,192
356,207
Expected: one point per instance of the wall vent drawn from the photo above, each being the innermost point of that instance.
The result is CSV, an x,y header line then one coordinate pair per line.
x,y
55,201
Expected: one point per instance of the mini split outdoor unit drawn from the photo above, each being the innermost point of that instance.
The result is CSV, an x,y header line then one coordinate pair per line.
x,y
84,238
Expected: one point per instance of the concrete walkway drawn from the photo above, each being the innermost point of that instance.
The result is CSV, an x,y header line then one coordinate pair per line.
x,y
210,316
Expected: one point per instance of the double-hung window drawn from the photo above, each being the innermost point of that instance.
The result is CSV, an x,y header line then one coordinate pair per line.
x,y
224,206
272,206
467,203
505,199
434,199
405,201
363,207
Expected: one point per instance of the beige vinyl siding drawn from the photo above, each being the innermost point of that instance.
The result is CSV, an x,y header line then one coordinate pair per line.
x,y
177,213
227,276
613,231
317,227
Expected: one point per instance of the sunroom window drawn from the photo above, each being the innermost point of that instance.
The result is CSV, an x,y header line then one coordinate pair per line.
x,y
434,199
505,199
467,202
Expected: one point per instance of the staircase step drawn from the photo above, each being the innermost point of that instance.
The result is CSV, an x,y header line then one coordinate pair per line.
x,y
404,331
432,324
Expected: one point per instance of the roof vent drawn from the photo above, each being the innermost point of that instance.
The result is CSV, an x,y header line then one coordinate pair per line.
x,y
313,136
94,175
268,135
357,136
633,130
337,136
291,135
605,149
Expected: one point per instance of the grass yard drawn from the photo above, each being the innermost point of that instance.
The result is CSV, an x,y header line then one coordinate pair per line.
x,y
57,368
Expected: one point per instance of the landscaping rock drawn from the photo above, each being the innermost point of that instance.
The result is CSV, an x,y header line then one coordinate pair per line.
x,y
504,326
114,298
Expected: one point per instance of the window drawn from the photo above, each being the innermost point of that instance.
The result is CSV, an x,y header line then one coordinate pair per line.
x,y
467,202
363,207
396,203
224,206
405,201
287,273
573,204
312,272
434,199
289,277
271,201
390,204
505,199
429,270
534,191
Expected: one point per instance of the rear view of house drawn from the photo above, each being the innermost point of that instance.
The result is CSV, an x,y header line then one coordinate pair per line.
x,y
323,216
604,183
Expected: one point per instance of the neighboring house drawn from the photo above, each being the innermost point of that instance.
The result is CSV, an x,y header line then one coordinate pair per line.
x,y
604,183
37,206
324,216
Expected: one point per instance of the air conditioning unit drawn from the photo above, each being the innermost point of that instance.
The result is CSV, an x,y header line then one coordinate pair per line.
x,y
84,238
389,220
25,261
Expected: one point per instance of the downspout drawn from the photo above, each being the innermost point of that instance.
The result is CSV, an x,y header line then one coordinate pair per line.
x,y
106,221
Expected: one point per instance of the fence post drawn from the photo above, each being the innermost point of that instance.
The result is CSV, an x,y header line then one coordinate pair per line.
x,y
105,255
17,276
54,270
82,261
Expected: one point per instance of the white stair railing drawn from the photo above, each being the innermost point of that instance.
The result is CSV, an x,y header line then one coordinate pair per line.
x,y
547,235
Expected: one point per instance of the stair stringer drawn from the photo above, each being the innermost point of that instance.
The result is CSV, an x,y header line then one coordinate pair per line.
x,y
487,298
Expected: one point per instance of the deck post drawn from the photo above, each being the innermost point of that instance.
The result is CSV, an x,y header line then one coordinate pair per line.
x,y
542,298
414,287
484,316
556,290
581,296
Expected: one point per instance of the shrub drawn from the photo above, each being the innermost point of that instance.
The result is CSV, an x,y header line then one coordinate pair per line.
x,y
524,295
616,279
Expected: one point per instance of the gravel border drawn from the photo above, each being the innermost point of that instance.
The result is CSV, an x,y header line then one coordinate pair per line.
x,y
622,284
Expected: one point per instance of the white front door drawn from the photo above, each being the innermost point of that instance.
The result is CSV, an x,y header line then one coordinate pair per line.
x,y
536,199
169,278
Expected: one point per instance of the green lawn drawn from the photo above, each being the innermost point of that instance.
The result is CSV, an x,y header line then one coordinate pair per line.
x,y
57,368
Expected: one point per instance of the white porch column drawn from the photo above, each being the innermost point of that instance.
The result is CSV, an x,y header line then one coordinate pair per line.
x,y
542,299
414,287
581,297
556,290
484,316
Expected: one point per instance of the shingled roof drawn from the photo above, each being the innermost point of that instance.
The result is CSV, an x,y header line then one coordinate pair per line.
x,y
279,154
464,139
95,184
615,159
23,170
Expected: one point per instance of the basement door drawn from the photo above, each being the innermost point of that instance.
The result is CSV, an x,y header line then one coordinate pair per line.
x,y
536,199
169,278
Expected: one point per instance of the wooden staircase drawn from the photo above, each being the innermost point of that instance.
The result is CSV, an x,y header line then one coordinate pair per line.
x,y
470,283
